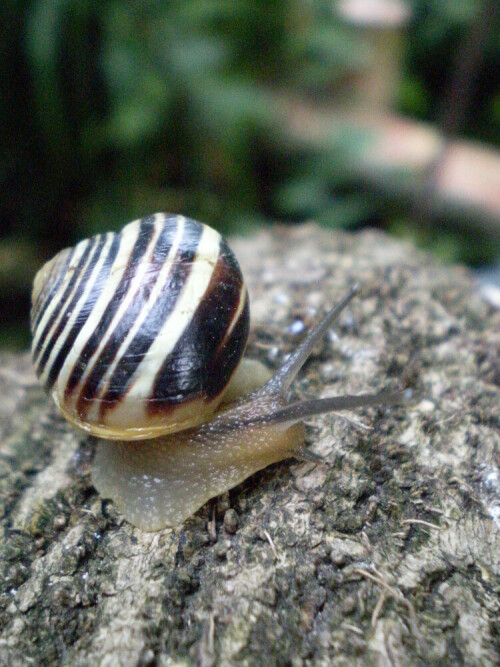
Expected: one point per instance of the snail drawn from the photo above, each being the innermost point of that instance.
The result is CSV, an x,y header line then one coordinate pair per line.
x,y
139,337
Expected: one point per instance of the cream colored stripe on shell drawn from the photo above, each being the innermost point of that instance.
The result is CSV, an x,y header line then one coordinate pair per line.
x,y
236,316
141,387
43,296
81,301
55,301
156,293
52,341
128,240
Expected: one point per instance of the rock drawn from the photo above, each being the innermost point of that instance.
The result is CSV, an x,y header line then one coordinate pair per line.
x,y
392,549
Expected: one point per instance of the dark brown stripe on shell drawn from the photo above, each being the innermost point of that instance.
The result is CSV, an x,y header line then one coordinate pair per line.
x,y
62,301
197,367
160,311
85,311
65,306
226,359
140,247
48,290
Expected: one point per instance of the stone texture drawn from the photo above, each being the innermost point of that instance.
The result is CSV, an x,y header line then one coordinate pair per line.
x,y
387,555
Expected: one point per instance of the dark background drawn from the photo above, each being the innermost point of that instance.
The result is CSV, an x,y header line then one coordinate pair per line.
x,y
113,110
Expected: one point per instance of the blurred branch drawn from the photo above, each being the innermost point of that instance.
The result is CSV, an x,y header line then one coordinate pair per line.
x,y
468,60
395,155
456,101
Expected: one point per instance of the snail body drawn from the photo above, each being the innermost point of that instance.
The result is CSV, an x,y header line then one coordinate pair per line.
x,y
138,336
165,482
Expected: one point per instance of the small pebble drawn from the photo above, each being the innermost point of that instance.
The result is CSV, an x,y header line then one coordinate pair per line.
x,y
349,605
337,558
59,522
231,521
426,406
221,549
296,327
281,297
147,657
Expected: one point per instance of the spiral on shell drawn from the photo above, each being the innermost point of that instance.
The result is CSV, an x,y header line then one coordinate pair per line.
x,y
138,333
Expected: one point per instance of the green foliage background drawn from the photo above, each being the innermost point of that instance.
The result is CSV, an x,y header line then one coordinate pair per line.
x,y
116,109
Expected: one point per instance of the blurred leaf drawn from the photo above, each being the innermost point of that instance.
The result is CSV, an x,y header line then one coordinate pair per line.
x,y
413,97
43,45
345,211
302,198
113,110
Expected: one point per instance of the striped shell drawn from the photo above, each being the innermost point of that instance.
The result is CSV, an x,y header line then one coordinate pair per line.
x,y
138,333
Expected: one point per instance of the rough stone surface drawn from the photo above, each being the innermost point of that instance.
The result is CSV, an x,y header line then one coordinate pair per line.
x,y
388,555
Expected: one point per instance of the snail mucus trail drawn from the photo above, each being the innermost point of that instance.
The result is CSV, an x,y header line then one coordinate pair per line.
x,y
138,336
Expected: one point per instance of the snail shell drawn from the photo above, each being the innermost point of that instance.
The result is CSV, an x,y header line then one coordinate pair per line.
x,y
138,333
